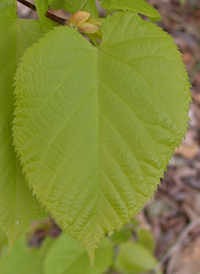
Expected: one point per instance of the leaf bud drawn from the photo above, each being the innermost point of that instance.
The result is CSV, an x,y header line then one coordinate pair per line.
x,y
88,28
78,18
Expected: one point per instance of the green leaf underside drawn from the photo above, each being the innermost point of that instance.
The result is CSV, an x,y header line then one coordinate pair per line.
x,y
74,6
134,258
95,127
140,6
17,205
67,256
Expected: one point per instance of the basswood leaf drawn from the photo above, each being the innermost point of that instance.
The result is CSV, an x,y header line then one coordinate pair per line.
x,y
56,4
89,6
67,256
25,260
63,255
122,236
17,205
140,6
134,258
146,238
76,5
96,127
42,8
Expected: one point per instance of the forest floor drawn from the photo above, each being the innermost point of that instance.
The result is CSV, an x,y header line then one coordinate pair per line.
x,y
173,215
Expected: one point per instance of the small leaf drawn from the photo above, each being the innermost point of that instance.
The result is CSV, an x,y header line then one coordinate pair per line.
x,y
17,204
182,2
56,4
140,6
75,5
67,256
133,258
42,8
96,127
122,236
146,239
25,260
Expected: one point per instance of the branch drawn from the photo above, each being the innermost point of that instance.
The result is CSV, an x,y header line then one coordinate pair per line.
x,y
59,20
53,17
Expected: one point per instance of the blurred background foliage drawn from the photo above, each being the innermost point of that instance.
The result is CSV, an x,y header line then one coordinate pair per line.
x,y
165,236
44,249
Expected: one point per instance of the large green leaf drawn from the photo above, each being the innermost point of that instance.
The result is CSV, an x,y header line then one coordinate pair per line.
x,y
134,259
75,5
17,205
140,6
67,256
96,127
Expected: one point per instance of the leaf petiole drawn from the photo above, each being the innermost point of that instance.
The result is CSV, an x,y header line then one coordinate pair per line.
x,y
93,40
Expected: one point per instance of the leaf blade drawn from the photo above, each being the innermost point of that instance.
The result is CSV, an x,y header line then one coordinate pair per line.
x,y
18,206
68,256
133,258
146,239
42,8
98,168
139,6
25,259
74,6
